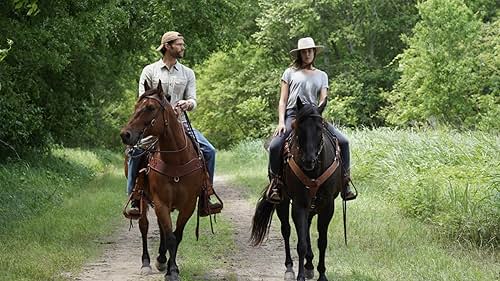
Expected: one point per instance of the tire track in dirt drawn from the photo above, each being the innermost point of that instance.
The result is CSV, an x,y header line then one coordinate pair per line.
x,y
121,258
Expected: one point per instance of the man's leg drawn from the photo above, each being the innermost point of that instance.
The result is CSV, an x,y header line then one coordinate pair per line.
x,y
346,161
208,151
134,160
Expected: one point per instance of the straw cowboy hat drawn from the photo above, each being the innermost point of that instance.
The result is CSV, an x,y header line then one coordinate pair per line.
x,y
168,37
306,43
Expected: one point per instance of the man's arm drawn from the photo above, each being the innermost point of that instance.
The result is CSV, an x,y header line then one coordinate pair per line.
x,y
189,99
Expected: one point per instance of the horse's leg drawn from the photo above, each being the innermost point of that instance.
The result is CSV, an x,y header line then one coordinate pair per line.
x,y
323,222
143,226
299,216
161,260
182,219
283,212
163,214
309,267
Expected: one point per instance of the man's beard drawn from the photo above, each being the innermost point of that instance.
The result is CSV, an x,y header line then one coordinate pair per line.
x,y
178,55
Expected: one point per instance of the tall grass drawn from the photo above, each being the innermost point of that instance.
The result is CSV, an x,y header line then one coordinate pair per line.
x,y
448,179
427,200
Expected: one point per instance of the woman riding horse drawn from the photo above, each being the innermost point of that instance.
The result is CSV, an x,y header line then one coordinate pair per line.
x,y
311,84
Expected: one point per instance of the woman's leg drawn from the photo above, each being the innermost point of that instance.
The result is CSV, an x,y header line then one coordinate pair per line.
x,y
345,156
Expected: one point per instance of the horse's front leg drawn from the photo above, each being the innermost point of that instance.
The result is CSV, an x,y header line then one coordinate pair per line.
x,y
323,222
161,260
299,216
168,237
144,226
309,266
182,218
283,212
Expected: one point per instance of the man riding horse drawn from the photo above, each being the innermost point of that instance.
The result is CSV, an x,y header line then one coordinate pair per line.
x,y
178,82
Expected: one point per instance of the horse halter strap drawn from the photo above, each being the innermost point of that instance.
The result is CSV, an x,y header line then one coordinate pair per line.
x,y
313,184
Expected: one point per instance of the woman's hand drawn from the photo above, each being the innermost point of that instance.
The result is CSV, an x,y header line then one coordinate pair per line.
x,y
280,130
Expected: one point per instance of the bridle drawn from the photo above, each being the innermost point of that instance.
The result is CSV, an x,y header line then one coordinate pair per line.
x,y
321,145
163,103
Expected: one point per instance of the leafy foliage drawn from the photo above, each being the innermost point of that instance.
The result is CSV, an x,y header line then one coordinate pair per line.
x,y
236,95
443,81
72,61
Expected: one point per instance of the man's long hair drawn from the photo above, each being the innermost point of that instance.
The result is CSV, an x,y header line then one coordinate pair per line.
x,y
297,62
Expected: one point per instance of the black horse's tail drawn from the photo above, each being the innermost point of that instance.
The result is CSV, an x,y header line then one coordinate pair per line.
x,y
261,220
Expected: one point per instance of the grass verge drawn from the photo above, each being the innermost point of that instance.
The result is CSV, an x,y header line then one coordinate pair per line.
x,y
387,241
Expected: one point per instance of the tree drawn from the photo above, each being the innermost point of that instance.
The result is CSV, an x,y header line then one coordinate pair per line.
x,y
442,78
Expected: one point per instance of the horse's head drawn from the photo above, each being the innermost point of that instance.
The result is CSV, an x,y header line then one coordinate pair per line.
x,y
308,127
149,118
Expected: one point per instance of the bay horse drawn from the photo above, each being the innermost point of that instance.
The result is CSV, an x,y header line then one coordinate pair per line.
x,y
175,176
312,179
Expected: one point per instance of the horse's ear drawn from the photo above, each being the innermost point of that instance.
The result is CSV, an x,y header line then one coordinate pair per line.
x,y
322,106
146,86
159,88
299,103
168,96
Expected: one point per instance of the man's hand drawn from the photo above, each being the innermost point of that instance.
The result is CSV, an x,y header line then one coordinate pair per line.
x,y
182,105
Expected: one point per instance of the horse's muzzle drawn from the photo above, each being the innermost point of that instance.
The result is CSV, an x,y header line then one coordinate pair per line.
x,y
129,137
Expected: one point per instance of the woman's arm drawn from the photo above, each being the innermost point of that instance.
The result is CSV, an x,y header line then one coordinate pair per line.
x,y
282,109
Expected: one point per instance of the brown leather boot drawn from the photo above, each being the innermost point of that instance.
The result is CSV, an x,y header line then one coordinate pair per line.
x,y
273,193
134,210
207,207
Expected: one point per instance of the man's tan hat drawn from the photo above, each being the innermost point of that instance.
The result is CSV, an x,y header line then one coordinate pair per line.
x,y
169,36
306,43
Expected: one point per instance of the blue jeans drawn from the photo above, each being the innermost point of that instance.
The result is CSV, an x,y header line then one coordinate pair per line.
x,y
133,167
207,149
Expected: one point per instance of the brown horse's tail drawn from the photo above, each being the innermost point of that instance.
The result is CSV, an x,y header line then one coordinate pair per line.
x,y
261,220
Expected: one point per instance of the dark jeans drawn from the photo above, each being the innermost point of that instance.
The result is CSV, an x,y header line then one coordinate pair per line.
x,y
276,145
207,149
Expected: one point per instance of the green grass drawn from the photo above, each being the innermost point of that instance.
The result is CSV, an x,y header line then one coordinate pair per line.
x,y
61,204
58,207
400,227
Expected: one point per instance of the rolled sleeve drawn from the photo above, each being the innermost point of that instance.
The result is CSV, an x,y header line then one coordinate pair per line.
x,y
190,92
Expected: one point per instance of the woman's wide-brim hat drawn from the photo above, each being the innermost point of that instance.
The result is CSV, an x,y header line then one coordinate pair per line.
x,y
306,43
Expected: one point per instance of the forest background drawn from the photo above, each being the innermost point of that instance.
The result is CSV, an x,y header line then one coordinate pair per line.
x,y
69,69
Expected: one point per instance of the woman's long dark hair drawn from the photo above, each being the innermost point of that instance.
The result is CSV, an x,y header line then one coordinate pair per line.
x,y
297,62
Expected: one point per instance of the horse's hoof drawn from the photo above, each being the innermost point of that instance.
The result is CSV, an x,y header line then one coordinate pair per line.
x,y
173,276
290,275
309,273
322,278
146,270
161,266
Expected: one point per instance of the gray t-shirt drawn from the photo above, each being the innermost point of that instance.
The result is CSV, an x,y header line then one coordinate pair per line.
x,y
306,85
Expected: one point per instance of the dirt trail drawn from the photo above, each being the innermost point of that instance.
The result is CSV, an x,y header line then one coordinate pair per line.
x,y
119,263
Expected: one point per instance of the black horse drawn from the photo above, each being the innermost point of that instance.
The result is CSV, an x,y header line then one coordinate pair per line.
x,y
312,180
